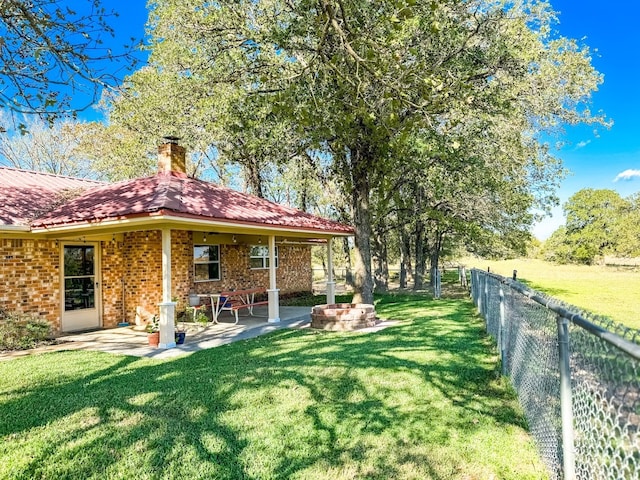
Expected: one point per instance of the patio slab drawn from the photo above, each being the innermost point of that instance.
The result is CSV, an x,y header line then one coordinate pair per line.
x,y
128,341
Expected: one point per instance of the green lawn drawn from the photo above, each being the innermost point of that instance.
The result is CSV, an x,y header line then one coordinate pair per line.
x,y
608,291
419,400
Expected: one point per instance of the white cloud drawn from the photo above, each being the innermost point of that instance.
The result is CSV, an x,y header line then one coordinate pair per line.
x,y
582,144
628,174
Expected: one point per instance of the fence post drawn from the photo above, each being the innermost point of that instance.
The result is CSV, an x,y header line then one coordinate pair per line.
x,y
501,341
485,299
474,286
478,289
566,409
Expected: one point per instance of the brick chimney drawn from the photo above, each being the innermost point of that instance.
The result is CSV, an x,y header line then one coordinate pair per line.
x,y
171,156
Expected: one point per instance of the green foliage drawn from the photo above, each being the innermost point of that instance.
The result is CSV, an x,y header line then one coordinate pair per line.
x,y
556,248
427,114
599,223
199,317
420,399
51,48
309,300
628,228
202,318
154,324
22,331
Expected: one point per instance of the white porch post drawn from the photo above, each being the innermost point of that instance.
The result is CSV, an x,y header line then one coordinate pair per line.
x,y
331,284
167,307
273,292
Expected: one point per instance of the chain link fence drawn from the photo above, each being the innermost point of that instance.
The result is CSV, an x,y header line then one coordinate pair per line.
x,y
576,376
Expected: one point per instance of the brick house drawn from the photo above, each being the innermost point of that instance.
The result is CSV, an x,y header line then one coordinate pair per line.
x,y
85,254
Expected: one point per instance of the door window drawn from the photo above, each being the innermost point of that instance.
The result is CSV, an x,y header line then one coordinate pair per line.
x,y
79,277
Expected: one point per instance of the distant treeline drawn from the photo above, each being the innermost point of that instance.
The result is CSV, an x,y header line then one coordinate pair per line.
x,y
600,226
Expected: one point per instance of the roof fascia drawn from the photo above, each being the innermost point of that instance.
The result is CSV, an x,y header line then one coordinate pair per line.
x,y
14,228
157,221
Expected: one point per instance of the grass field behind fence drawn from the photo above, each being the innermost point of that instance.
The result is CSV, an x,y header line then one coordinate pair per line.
x,y
418,400
610,291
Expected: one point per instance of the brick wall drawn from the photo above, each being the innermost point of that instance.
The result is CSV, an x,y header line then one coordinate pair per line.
x,y
142,255
141,261
181,266
113,279
30,278
131,269
292,275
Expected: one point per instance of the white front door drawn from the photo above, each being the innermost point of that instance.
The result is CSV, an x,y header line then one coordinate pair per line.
x,y
80,287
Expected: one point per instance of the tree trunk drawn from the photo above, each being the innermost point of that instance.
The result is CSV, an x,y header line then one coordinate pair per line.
x,y
381,271
253,178
363,284
405,258
418,279
348,274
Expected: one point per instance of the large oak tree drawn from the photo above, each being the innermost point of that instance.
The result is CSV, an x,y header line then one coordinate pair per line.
x,y
369,84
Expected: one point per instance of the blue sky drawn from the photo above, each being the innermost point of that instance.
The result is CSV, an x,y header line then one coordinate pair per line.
x,y
609,158
596,159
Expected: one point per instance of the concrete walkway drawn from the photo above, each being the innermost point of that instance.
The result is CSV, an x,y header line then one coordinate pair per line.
x,y
128,341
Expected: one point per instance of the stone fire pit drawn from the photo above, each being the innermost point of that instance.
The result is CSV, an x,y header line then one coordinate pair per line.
x,y
343,316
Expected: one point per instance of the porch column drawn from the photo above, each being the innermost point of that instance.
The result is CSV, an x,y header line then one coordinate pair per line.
x,y
331,284
273,292
167,307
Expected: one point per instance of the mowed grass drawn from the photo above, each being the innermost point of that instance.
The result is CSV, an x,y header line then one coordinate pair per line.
x,y
418,400
608,291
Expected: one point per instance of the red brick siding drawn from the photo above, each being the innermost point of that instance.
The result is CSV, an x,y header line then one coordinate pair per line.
x,y
181,266
292,275
30,275
30,278
113,278
142,252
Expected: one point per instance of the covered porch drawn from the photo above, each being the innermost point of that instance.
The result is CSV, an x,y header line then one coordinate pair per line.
x,y
140,249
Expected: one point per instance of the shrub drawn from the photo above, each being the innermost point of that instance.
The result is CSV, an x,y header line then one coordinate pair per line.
x,y
21,331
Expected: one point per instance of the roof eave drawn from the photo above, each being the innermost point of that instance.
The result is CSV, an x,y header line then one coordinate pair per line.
x,y
171,220
14,228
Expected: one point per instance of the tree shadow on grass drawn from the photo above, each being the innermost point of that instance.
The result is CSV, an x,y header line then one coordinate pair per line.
x,y
292,404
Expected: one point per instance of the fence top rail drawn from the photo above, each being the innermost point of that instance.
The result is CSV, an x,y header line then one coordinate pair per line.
x,y
555,306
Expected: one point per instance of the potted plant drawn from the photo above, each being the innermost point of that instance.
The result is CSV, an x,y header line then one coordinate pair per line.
x,y
180,333
153,329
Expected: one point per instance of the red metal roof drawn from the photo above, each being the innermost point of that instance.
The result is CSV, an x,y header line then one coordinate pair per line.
x,y
25,195
175,194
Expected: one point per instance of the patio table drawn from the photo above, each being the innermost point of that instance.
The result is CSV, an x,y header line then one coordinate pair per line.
x,y
234,300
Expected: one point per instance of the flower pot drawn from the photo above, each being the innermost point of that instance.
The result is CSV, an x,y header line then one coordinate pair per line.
x,y
154,339
180,336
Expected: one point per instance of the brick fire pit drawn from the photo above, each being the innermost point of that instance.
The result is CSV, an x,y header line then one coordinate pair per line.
x,y
343,316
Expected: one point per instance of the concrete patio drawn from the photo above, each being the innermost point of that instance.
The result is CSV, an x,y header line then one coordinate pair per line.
x,y
129,341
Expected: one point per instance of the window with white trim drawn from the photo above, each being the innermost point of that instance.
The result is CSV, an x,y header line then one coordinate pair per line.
x,y
206,262
259,257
